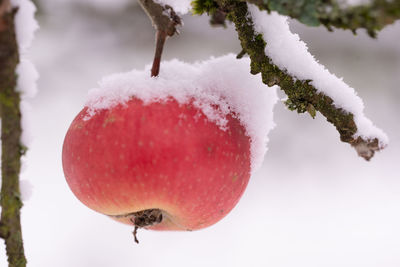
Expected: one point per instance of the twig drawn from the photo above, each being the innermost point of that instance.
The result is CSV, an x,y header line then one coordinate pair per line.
x,y
12,150
371,17
241,54
161,37
135,234
301,95
165,21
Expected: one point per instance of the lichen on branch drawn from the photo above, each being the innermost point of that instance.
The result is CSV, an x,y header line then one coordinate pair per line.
x,y
12,150
333,13
302,96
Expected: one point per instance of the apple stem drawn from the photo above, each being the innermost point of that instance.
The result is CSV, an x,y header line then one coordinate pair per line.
x,y
165,21
135,234
161,36
142,219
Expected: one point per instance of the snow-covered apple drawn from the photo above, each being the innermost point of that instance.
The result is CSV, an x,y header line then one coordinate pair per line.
x,y
162,157
173,152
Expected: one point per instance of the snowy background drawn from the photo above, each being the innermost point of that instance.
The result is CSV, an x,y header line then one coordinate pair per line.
x,y
313,203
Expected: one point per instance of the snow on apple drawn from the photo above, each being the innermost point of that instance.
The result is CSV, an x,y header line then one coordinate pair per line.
x,y
289,53
182,145
224,81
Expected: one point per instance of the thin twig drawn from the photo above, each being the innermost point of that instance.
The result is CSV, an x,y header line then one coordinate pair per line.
x,y
135,234
165,21
161,37
241,54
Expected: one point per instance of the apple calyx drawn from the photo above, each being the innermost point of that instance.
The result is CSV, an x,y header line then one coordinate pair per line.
x,y
142,219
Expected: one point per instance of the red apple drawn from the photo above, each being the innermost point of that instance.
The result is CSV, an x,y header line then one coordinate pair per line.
x,y
161,159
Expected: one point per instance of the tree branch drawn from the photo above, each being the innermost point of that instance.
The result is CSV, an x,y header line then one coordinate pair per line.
x,y
10,225
301,95
165,21
372,17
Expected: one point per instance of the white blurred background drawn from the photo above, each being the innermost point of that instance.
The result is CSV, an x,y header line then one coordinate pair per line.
x,y
314,203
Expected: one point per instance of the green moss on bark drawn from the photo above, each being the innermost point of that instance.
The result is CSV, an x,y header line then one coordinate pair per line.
x,y
200,7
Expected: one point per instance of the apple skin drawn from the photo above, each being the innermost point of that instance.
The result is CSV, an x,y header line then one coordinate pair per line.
x,y
162,155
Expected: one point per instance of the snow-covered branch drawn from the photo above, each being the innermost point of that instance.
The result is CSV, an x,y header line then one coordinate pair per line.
x,y
371,15
17,82
285,61
10,225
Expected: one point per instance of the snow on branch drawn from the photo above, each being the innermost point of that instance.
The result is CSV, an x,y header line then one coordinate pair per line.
x,y
285,61
10,225
17,82
371,15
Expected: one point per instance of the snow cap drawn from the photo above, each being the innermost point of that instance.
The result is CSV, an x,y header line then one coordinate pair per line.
x,y
224,81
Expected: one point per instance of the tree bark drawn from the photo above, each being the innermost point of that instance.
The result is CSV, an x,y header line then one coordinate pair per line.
x,y
12,150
